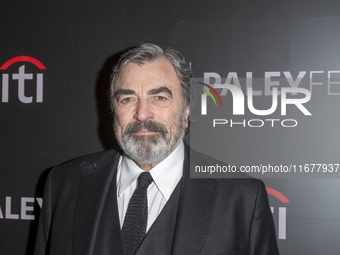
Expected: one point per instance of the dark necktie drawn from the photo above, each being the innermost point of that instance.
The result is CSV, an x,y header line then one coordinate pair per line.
x,y
136,217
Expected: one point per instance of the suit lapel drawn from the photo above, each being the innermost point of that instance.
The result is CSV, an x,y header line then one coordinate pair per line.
x,y
97,202
195,212
92,234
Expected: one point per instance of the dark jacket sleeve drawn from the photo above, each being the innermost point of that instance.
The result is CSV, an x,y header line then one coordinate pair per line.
x,y
42,238
262,234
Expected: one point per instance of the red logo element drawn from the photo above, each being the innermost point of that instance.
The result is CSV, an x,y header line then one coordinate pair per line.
x,y
20,59
210,93
22,78
278,195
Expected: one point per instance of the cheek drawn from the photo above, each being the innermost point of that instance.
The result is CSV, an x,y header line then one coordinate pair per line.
x,y
121,118
170,117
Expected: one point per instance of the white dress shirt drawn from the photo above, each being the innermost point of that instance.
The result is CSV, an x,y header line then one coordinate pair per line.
x,y
166,176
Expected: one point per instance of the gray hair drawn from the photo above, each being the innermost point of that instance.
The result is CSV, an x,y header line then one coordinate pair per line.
x,y
147,53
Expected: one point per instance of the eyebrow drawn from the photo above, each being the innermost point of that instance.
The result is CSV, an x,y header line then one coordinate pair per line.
x,y
120,92
160,90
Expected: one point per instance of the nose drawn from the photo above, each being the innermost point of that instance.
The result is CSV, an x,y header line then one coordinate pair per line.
x,y
143,111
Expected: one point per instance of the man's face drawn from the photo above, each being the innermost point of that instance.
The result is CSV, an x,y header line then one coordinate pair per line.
x,y
150,117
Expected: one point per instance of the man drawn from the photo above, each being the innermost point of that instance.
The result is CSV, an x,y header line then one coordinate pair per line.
x,y
144,202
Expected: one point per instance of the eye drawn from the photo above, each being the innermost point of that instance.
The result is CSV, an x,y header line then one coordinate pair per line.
x,y
160,98
126,100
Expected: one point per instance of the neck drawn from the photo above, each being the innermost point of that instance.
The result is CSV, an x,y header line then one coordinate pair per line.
x,y
148,167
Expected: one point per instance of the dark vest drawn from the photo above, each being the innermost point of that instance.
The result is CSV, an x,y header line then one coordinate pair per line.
x,y
158,240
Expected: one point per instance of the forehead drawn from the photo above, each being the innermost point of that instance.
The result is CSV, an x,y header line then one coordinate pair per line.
x,y
157,73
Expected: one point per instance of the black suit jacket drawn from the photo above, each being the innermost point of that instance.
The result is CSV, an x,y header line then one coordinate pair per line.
x,y
215,216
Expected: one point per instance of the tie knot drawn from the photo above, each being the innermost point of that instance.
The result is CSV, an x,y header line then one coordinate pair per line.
x,y
144,180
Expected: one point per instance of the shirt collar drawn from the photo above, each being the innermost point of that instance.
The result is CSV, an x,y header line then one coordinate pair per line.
x,y
165,175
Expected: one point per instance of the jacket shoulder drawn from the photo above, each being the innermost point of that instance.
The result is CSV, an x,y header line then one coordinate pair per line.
x,y
83,165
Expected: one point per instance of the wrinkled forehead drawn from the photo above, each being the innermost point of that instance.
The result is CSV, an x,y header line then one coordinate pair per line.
x,y
158,72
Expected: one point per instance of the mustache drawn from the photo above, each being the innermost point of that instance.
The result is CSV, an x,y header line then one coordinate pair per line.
x,y
148,125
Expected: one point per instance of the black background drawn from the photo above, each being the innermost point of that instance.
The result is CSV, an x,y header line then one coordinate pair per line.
x,y
80,41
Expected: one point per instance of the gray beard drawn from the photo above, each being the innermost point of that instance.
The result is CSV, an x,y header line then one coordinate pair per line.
x,y
147,149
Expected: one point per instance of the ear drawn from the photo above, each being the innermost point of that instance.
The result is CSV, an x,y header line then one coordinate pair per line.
x,y
187,111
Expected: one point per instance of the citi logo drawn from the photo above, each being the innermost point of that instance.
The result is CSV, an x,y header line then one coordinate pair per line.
x,y
281,212
21,77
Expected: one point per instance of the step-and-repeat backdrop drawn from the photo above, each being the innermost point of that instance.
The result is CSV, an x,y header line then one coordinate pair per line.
x,y
267,100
